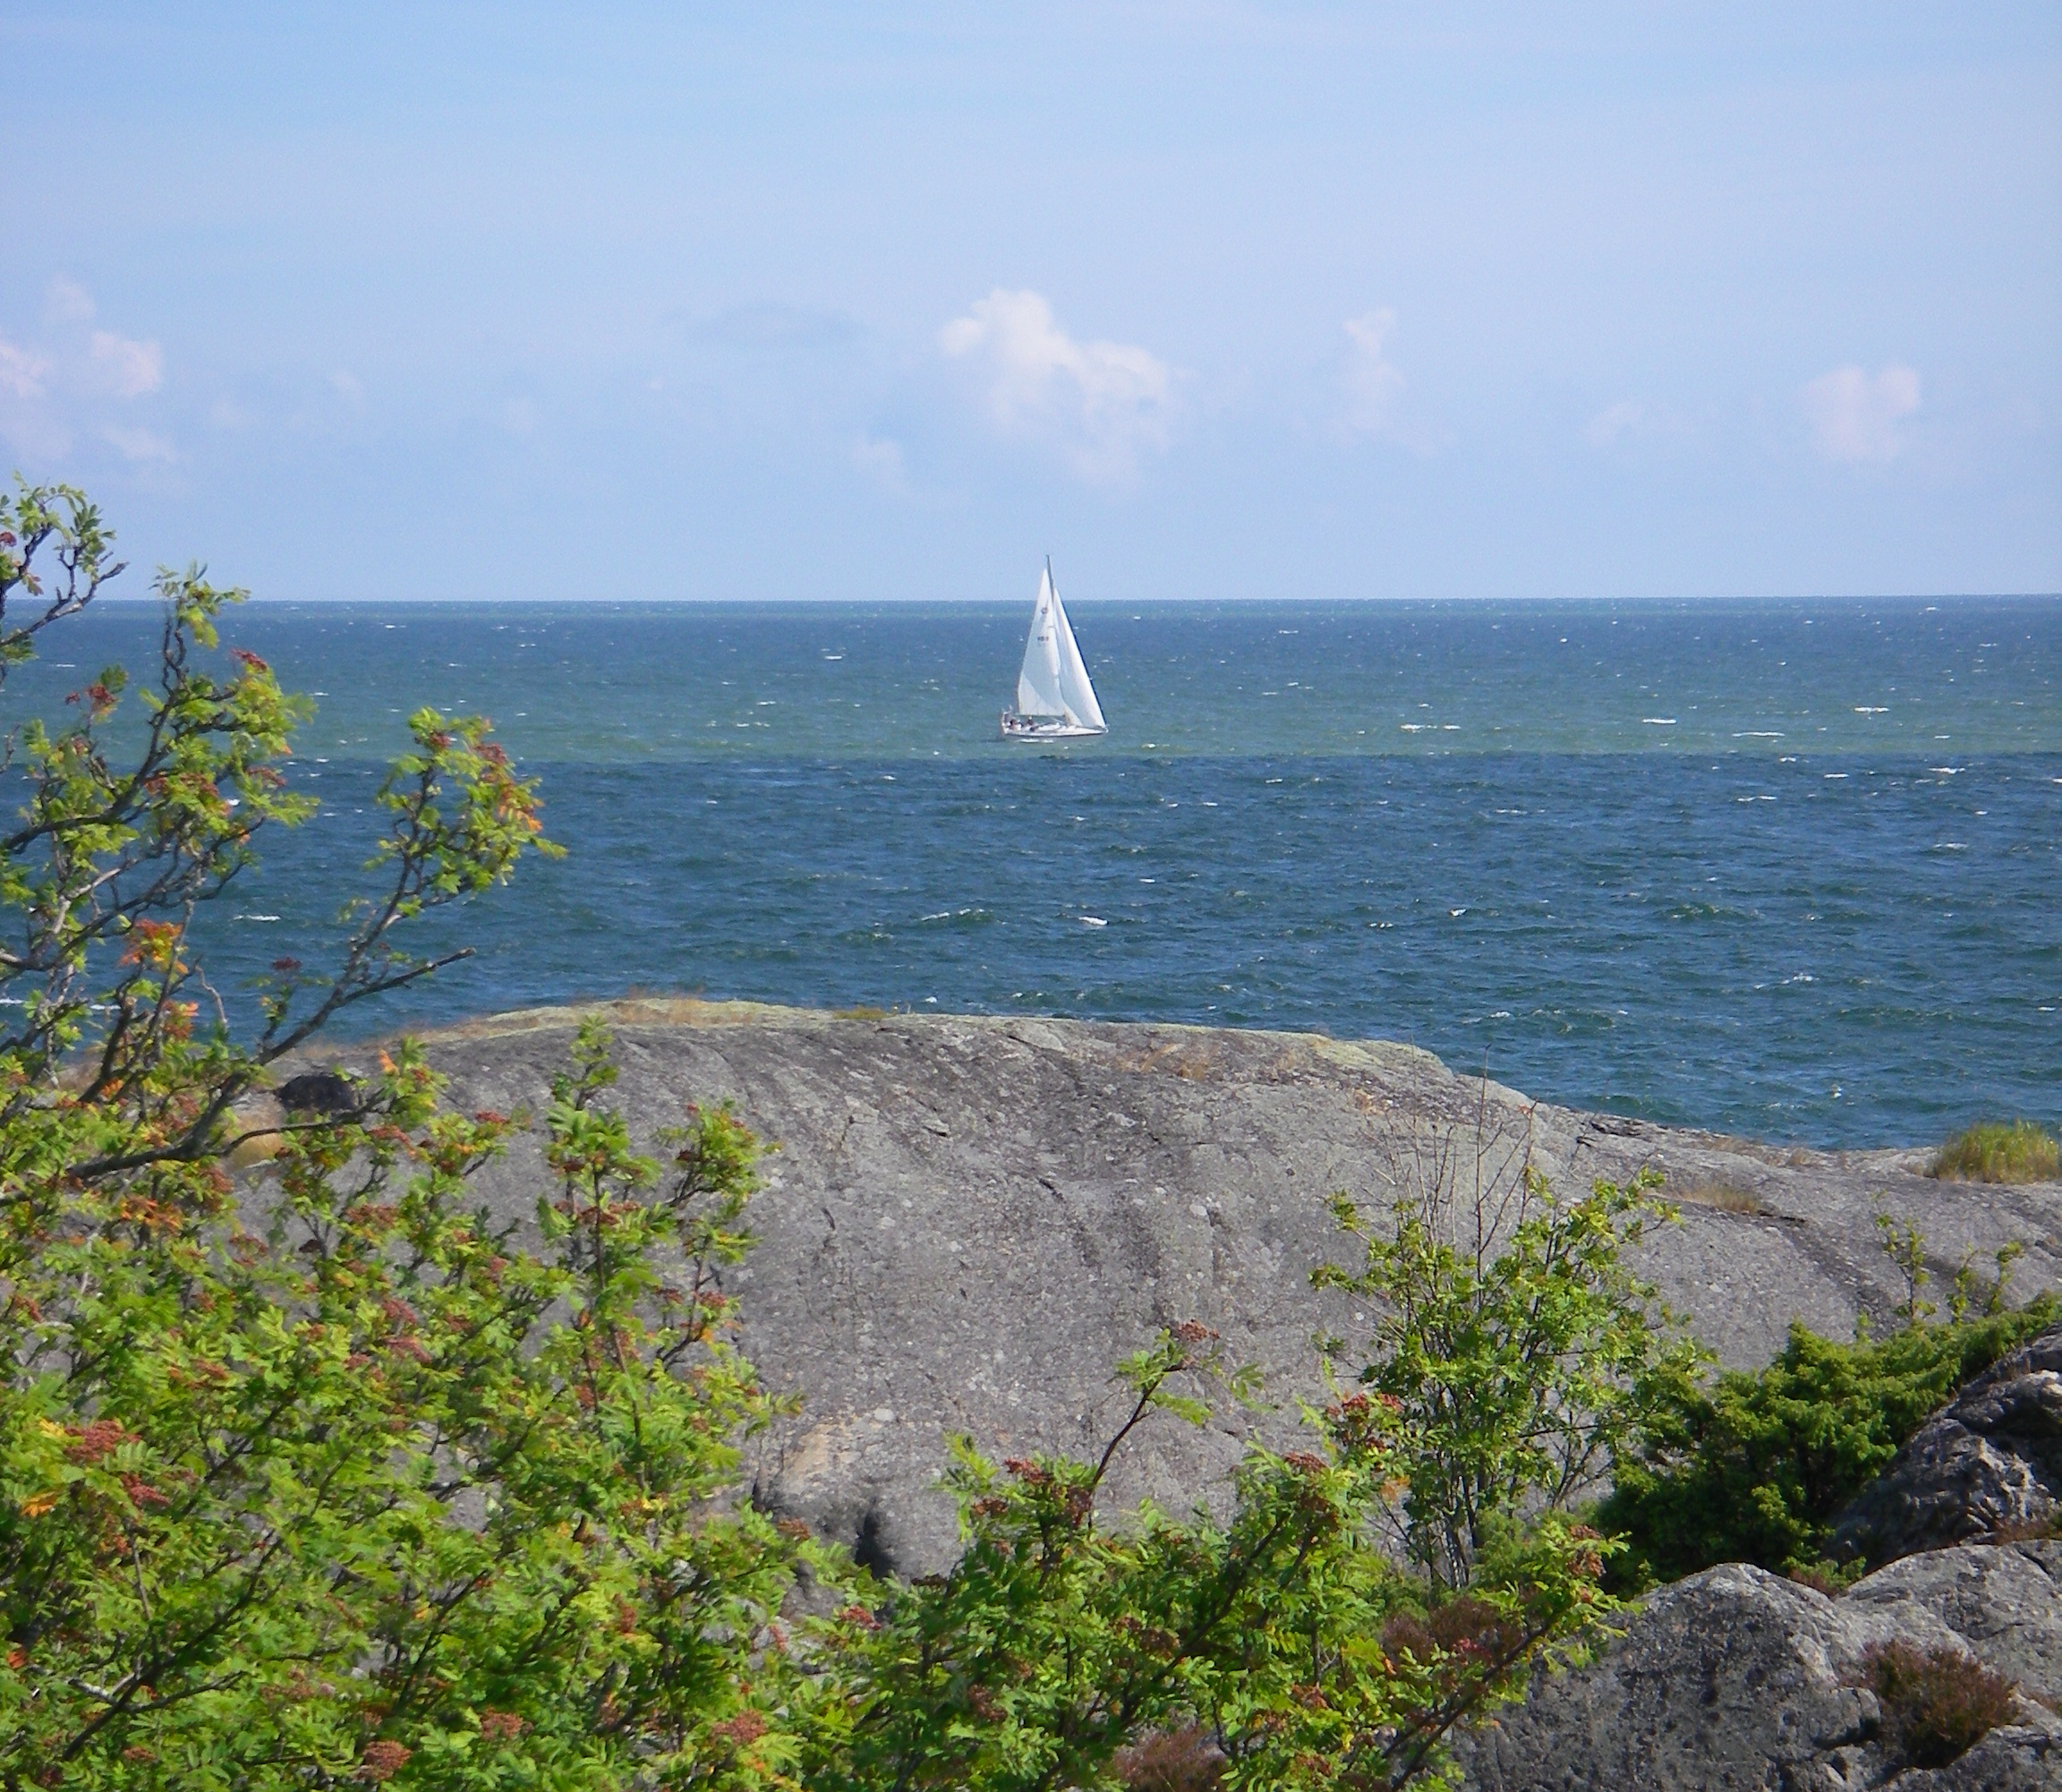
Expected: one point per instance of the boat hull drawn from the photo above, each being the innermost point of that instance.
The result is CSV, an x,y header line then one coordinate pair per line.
x,y
1016,727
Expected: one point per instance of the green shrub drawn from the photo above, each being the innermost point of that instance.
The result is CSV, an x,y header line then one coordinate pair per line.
x,y
1517,1349
2000,1151
1279,1646
1755,1466
332,1482
1830,1578
1937,1703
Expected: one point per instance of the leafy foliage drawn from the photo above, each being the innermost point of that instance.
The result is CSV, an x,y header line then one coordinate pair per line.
x,y
53,522
1283,1642
338,1484
1755,1466
1517,1351
383,1486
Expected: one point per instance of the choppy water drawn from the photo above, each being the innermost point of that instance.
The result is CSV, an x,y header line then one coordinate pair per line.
x,y
1789,869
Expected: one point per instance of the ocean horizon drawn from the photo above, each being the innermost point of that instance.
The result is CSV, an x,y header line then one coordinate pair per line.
x,y
1783,867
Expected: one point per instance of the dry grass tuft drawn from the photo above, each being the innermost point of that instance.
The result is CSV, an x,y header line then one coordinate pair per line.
x,y
2025,1530
1727,1196
859,1013
2000,1151
1937,1703
1170,1760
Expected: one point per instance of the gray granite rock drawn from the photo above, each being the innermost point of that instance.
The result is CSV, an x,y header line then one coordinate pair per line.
x,y
970,1220
1989,1462
2003,1600
1730,1678
1736,1678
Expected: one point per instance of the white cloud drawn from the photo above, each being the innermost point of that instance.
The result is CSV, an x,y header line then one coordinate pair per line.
x,y
1373,383
881,461
1855,418
72,378
1626,417
21,371
129,368
67,302
140,444
1100,401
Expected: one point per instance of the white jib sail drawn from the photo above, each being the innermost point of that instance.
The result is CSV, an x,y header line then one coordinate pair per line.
x,y
1076,692
1039,683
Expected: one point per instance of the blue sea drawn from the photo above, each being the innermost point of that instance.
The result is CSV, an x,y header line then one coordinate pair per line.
x,y
1787,869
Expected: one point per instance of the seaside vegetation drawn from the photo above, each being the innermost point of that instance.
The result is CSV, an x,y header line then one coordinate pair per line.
x,y
1755,1465
321,1477
2000,1151
316,1476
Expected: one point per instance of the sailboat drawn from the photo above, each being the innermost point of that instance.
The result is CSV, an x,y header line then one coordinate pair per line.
x,y
1054,699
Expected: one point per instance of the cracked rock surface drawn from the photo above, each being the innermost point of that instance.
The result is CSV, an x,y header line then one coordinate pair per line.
x,y
970,1220
1736,1678
1989,1462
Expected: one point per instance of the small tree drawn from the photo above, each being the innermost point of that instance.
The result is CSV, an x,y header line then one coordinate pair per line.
x,y
332,1481
1515,1346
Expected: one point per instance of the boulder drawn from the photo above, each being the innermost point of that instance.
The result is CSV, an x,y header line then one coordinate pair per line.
x,y
2004,1601
1736,1678
972,1218
1987,1463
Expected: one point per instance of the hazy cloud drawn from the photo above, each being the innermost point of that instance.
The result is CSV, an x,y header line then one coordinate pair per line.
x,y
67,302
140,444
881,462
1626,417
21,372
72,380
128,369
1855,418
1100,401
1373,383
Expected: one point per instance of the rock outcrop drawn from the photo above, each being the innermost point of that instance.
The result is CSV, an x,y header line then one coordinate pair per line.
x,y
1736,1678
2004,1601
1989,1463
969,1220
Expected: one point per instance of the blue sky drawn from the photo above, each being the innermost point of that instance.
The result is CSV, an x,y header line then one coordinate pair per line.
x,y
1202,299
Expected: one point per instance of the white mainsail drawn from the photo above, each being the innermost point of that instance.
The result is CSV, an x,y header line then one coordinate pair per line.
x,y
1054,699
1039,683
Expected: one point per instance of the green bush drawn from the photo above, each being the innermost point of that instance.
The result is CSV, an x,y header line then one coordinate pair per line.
x,y
1755,1466
328,1481
2000,1151
1279,1647
1516,1348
